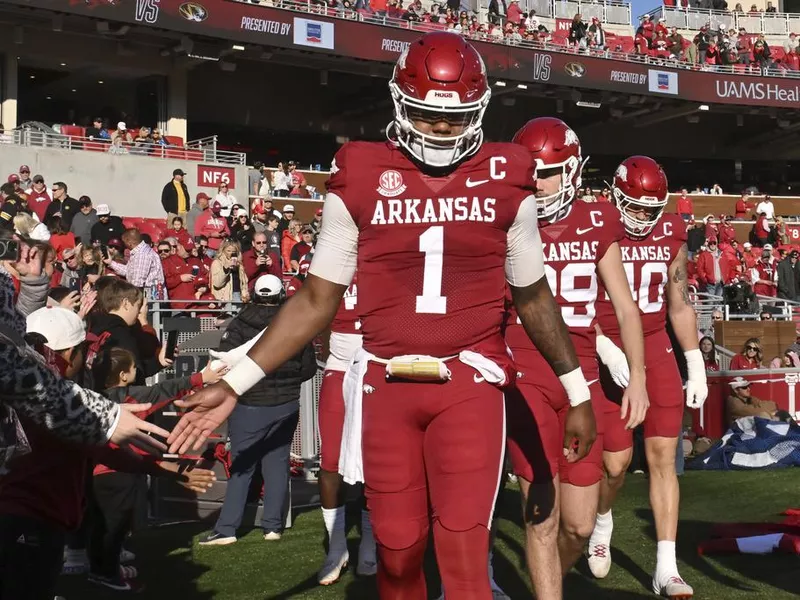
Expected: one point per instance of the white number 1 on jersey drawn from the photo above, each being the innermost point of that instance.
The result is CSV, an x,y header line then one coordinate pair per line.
x,y
431,243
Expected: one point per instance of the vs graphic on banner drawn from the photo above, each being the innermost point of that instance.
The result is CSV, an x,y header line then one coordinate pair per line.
x,y
316,34
147,11
663,82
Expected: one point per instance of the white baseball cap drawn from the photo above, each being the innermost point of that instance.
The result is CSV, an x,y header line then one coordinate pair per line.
x,y
739,382
767,247
62,327
288,208
747,245
122,125
103,209
267,285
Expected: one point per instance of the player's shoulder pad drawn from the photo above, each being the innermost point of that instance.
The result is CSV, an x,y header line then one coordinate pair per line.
x,y
513,160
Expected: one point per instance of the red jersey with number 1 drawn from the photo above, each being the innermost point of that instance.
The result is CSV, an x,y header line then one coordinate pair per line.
x,y
573,246
646,262
346,319
431,250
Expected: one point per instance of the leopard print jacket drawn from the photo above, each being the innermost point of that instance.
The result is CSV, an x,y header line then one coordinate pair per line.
x,y
35,392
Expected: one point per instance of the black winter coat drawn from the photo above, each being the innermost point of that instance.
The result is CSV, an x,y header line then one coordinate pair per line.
x,y
283,385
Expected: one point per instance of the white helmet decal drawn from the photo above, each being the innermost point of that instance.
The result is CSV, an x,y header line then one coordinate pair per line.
x,y
570,137
622,173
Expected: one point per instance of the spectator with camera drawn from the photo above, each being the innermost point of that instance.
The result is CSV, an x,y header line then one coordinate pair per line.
x,y
262,425
179,275
228,277
260,260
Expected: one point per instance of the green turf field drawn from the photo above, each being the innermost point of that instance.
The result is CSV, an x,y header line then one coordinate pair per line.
x,y
172,566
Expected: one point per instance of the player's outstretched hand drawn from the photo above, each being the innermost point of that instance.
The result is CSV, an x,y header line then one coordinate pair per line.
x,y
635,398
132,430
210,407
580,431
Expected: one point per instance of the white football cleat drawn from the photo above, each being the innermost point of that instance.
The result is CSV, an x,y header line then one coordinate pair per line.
x,y
272,536
600,560
673,588
331,571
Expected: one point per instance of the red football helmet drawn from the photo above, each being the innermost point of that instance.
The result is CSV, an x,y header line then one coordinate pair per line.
x,y
640,185
555,147
439,77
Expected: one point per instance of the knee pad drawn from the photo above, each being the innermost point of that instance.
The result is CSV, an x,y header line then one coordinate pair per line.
x,y
399,534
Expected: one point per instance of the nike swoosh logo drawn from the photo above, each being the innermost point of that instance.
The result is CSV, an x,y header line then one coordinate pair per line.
x,y
477,378
582,231
588,383
472,184
669,350
657,238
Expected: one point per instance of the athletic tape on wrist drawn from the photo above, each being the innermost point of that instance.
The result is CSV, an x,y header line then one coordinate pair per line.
x,y
577,389
244,375
695,363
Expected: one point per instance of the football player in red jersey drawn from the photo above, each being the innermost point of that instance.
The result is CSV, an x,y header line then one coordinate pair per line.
x,y
654,255
581,249
344,342
438,223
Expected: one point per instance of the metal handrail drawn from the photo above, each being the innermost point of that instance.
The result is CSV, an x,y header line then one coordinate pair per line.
x,y
308,6
28,137
208,146
694,18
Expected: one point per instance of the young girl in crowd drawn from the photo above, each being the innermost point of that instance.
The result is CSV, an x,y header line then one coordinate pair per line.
x,y
42,493
114,500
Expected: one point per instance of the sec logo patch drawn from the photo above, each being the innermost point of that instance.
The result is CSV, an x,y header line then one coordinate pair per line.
x,y
390,184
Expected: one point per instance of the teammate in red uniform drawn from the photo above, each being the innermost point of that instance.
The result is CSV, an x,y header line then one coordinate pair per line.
x,y
439,223
654,256
345,341
580,249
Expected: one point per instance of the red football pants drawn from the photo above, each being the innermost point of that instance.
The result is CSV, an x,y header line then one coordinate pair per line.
x,y
432,452
537,413
664,390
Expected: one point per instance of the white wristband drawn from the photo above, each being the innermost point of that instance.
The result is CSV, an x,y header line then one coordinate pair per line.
x,y
577,389
695,365
244,375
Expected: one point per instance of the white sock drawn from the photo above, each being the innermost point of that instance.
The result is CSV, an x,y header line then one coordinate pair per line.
x,y
665,559
334,523
366,549
603,528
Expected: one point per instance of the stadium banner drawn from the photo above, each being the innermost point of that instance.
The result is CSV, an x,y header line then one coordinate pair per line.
x,y
213,175
793,231
240,22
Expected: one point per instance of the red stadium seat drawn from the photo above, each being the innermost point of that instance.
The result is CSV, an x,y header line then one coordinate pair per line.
x,y
626,43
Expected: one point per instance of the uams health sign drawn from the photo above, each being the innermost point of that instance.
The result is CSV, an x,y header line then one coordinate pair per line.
x,y
208,176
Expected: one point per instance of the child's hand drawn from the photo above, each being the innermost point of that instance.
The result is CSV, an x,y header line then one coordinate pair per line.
x,y
87,302
212,375
198,480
